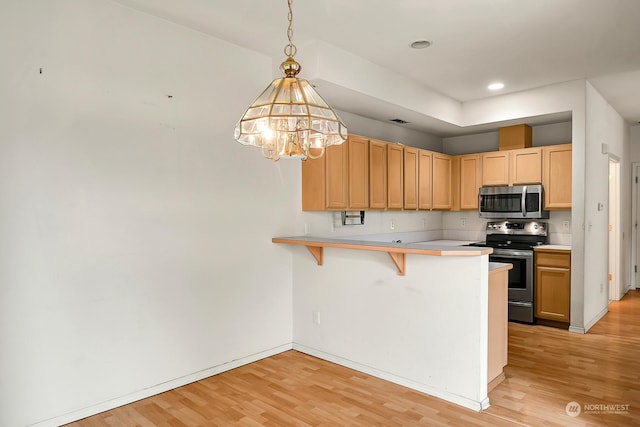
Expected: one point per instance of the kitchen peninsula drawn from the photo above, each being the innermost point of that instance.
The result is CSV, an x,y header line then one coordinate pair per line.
x,y
427,329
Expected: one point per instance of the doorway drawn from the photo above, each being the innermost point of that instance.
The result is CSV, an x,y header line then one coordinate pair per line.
x,y
635,231
614,229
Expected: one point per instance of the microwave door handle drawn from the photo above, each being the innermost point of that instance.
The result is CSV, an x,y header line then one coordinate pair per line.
x,y
523,201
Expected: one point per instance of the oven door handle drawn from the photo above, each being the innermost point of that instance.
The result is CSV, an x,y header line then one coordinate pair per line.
x,y
523,201
520,303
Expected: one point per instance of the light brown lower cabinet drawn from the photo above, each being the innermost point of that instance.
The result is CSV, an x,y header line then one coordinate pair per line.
x,y
498,326
553,284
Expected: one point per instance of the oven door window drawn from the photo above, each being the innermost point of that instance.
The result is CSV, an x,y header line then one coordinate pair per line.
x,y
518,274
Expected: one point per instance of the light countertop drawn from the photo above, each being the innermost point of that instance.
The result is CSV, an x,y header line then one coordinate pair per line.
x,y
554,247
434,247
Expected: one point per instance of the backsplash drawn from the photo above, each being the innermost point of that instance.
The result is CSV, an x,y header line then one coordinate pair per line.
x,y
460,225
467,225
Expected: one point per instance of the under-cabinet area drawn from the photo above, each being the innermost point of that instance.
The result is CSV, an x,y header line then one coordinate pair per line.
x,y
370,174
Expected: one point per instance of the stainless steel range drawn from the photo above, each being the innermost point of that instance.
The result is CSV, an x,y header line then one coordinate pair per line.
x,y
513,242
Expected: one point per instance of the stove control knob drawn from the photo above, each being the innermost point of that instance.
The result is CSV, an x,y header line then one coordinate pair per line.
x,y
535,226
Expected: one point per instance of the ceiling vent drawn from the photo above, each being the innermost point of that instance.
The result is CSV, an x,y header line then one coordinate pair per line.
x,y
399,121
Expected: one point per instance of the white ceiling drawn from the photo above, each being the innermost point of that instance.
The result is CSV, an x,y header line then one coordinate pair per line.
x,y
525,44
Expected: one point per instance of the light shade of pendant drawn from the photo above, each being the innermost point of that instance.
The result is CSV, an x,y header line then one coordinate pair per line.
x,y
290,119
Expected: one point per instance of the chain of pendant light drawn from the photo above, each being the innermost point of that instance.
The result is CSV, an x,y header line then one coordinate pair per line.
x,y
290,49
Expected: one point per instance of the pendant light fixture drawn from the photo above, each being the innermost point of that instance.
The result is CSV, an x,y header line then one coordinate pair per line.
x,y
290,119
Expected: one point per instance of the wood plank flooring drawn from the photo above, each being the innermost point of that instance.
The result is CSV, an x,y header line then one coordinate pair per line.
x,y
548,368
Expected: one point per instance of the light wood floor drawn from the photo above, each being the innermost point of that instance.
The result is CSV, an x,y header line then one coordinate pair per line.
x,y
548,368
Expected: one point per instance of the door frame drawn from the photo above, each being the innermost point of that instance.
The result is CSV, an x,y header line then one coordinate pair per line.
x,y
614,260
635,222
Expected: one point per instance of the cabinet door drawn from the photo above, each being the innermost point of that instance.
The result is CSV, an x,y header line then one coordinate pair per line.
x,y
442,165
358,172
336,171
410,178
377,174
470,181
495,168
556,176
395,176
425,179
313,184
526,166
553,293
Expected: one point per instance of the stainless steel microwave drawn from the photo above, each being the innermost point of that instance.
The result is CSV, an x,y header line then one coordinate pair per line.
x,y
519,201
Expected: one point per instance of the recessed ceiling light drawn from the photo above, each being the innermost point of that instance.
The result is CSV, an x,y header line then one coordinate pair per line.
x,y
421,44
495,86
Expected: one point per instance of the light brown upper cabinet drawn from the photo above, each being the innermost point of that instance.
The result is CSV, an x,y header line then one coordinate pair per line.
x,y
556,176
525,166
395,176
512,167
425,179
358,170
377,174
470,176
336,175
495,168
441,186
314,184
411,177
325,181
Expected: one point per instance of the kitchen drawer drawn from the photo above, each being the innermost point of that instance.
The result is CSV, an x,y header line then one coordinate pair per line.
x,y
553,259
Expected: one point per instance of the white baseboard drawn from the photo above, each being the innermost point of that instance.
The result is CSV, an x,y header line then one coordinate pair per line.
x,y
595,319
159,388
577,330
474,405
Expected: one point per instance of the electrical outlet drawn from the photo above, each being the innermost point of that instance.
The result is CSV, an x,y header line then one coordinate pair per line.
x,y
316,317
424,223
392,225
463,222
565,225
601,287
307,229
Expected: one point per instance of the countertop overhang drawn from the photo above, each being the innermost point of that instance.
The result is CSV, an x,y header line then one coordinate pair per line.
x,y
396,250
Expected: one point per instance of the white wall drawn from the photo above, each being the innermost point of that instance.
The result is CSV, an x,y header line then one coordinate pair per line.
x,y
424,330
604,126
136,233
390,132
